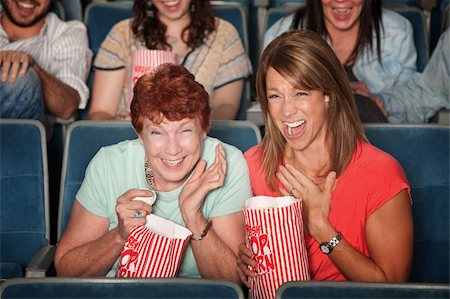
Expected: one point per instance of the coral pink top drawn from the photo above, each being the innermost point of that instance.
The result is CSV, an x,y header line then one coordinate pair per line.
x,y
370,180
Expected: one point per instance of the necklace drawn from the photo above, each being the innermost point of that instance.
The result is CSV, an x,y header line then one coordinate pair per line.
x,y
149,175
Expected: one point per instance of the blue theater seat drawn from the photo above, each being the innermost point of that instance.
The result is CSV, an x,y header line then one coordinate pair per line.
x,y
347,289
24,206
57,287
423,151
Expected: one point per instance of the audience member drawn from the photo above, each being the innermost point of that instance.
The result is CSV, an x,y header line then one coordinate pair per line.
x,y
424,93
197,179
44,62
375,45
209,47
356,202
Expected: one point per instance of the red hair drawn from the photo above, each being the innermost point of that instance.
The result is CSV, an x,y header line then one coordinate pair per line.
x,y
169,91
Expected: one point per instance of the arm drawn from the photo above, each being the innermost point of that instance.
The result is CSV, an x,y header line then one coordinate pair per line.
x,y
87,248
225,100
106,93
60,99
215,255
389,231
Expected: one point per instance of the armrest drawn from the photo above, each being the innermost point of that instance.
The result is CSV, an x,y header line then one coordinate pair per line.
x,y
41,262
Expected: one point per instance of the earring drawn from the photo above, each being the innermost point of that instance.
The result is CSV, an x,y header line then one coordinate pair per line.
x,y
192,8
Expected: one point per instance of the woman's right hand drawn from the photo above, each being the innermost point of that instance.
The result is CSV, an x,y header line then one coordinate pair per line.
x,y
246,265
128,209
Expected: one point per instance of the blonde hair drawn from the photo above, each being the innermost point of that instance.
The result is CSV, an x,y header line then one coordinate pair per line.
x,y
306,61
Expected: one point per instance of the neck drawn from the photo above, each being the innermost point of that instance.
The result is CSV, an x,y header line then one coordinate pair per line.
x,y
312,163
343,42
15,32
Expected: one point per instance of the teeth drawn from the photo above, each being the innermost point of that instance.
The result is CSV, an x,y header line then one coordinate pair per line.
x,y
295,123
172,162
342,9
171,3
25,4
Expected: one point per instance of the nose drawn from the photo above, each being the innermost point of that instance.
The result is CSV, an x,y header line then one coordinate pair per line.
x,y
288,108
173,146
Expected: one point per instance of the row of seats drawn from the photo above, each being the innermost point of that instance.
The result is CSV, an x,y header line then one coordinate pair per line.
x,y
423,151
203,288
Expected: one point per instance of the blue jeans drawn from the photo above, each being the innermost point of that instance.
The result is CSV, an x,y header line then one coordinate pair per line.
x,y
23,98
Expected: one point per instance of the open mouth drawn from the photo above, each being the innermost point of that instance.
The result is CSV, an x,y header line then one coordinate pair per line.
x,y
171,3
27,5
294,125
172,163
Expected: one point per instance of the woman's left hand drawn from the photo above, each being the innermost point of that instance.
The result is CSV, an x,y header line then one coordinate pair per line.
x,y
316,200
201,183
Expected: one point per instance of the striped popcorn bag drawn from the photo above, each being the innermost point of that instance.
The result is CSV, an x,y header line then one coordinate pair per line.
x,y
274,234
154,249
146,60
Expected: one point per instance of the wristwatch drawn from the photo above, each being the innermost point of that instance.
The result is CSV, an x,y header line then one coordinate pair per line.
x,y
327,247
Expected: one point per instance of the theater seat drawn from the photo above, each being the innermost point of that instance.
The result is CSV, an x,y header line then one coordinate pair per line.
x,y
423,151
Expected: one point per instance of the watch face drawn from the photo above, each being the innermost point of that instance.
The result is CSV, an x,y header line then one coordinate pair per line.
x,y
324,248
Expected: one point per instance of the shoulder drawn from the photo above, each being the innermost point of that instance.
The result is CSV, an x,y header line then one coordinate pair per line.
x,y
394,21
119,152
370,159
57,27
279,27
226,29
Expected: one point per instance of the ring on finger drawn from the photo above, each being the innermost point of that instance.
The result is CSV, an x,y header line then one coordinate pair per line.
x,y
291,191
137,214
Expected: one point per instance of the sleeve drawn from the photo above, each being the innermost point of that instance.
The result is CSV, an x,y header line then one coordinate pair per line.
x,y
235,63
72,59
236,188
113,53
281,26
388,180
424,93
91,194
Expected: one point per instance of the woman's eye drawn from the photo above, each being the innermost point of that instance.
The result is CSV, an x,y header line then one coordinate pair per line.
x,y
155,133
272,97
302,93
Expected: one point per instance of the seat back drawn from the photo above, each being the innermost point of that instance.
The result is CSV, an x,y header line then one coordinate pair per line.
x,y
241,134
348,289
24,205
83,140
423,152
99,18
57,287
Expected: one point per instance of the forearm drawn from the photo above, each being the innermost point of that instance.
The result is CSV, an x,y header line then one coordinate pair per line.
x,y
356,266
91,259
60,99
215,260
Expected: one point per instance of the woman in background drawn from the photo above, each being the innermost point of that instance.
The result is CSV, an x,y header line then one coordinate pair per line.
x,y
209,47
375,45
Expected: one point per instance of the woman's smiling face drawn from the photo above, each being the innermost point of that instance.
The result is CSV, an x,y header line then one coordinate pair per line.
x,y
342,15
172,148
299,114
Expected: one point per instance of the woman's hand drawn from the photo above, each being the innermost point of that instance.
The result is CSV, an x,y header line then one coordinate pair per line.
x,y
316,200
246,265
200,184
132,212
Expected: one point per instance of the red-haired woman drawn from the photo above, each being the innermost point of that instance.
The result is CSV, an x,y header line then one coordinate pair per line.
x,y
188,170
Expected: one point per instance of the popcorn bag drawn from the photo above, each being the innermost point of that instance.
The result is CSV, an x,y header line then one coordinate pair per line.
x,y
274,234
146,60
154,249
